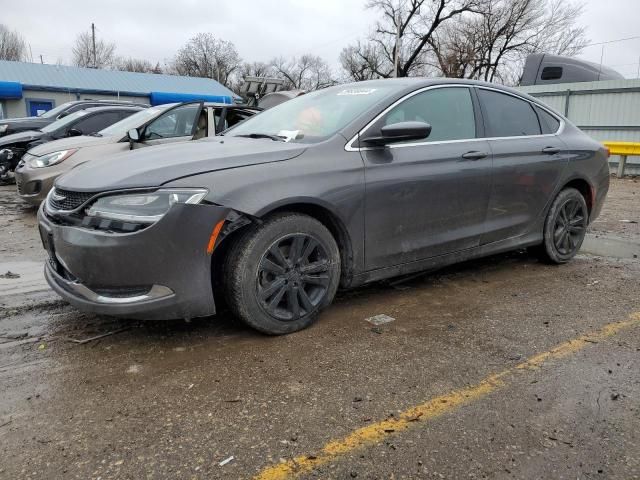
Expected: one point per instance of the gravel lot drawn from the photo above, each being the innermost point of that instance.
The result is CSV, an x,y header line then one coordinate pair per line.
x,y
498,368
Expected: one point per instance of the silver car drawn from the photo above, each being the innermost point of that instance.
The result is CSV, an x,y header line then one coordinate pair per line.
x,y
169,123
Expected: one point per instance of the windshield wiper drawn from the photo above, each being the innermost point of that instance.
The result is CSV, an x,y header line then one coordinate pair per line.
x,y
275,138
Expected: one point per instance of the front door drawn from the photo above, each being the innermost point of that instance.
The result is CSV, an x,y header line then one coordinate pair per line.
x,y
430,197
177,124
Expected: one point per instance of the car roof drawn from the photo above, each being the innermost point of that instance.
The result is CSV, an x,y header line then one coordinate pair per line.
x,y
230,105
125,108
108,102
408,84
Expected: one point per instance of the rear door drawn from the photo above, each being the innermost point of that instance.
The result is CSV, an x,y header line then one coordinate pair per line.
x,y
528,159
429,197
177,124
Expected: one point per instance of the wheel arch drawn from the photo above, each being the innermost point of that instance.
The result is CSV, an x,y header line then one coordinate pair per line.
x,y
585,188
330,219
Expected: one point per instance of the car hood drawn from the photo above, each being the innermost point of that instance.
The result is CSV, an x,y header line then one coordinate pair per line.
x,y
26,136
155,166
71,142
26,123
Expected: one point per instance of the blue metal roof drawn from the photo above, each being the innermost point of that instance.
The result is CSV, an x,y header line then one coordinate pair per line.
x,y
75,79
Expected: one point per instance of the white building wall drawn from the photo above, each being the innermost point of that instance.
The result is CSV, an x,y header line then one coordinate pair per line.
x,y
606,111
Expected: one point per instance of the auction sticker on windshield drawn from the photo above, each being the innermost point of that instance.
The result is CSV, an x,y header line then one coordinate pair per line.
x,y
356,91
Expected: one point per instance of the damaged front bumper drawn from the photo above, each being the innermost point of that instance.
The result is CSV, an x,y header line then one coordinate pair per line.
x,y
161,272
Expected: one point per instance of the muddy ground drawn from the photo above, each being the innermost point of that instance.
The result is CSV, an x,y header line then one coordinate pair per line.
x,y
175,399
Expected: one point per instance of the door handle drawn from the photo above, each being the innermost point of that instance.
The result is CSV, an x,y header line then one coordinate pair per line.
x,y
474,155
551,150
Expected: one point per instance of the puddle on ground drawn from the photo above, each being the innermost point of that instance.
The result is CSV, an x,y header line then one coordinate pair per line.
x,y
610,247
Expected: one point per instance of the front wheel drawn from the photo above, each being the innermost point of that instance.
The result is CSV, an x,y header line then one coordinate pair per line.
x,y
279,275
565,227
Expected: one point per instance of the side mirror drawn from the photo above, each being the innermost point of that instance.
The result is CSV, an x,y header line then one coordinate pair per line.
x,y
134,136
400,132
74,132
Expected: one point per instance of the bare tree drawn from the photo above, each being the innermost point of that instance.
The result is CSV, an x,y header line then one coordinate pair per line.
x,y
403,33
363,61
135,65
12,45
493,44
206,56
307,72
83,54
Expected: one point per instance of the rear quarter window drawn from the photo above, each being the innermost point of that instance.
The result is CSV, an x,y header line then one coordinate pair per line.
x,y
548,122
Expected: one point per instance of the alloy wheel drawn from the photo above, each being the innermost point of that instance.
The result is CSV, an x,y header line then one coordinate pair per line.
x,y
293,277
569,227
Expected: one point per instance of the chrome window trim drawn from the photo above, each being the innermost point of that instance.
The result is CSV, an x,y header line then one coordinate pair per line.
x,y
350,148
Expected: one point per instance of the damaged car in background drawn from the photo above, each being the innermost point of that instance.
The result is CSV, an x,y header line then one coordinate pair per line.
x,y
336,188
22,124
82,122
168,123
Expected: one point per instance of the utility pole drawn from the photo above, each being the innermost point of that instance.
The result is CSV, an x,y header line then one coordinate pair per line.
x,y
396,59
93,38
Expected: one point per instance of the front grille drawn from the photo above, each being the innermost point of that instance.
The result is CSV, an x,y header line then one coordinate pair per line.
x,y
68,200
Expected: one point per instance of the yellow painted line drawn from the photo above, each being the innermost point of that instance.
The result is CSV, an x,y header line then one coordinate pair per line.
x,y
374,433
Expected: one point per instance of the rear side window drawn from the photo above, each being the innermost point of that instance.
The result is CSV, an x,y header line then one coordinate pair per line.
x,y
97,122
548,122
551,73
448,110
508,116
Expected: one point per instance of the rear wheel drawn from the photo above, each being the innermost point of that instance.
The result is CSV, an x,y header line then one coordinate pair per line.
x,y
279,275
565,227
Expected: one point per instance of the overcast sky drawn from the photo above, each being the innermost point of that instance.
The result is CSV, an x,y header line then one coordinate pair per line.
x,y
260,29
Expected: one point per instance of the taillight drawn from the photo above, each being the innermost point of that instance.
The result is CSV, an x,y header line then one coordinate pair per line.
x,y
607,152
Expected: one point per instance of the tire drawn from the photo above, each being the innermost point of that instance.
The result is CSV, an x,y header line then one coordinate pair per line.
x,y
264,282
564,227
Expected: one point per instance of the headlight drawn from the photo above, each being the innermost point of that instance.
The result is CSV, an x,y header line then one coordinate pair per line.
x,y
3,128
51,158
143,207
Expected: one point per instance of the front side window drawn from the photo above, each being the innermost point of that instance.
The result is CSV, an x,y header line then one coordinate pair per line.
x,y
134,121
178,122
508,116
448,110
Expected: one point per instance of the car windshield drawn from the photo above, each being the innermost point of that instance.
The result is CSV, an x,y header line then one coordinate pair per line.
x,y
63,122
120,128
54,112
312,117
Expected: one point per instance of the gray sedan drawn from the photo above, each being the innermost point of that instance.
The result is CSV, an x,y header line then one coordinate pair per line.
x,y
337,188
